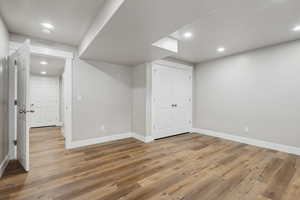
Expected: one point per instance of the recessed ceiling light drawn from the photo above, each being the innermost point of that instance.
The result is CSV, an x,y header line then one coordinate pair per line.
x,y
221,49
188,35
43,72
296,28
47,25
47,31
43,63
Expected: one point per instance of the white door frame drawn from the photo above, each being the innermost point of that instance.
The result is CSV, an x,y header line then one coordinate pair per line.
x,y
12,111
68,57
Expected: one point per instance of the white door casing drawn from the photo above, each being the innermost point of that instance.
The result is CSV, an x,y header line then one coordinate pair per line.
x,y
44,94
12,109
21,59
171,100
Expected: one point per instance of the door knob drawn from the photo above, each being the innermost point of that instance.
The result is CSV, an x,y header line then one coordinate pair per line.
x,y
31,111
22,111
26,111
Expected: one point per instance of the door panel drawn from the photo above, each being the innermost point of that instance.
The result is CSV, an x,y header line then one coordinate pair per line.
x,y
162,100
182,95
21,59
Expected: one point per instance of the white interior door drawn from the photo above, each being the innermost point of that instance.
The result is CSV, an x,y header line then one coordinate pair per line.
x,y
21,59
44,93
182,98
162,100
171,100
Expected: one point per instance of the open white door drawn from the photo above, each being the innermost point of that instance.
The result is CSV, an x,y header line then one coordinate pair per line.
x,y
21,59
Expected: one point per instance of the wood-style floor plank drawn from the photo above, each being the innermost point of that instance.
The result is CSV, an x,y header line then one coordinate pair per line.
x,y
183,167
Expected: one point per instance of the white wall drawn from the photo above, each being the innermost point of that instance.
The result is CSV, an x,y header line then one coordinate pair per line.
x,y
102,100
257,89
3,39
3,92
139,100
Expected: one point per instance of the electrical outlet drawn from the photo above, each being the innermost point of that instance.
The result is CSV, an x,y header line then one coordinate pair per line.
x,y
246,129
102,128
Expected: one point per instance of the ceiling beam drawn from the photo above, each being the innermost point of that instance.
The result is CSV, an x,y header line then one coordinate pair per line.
x,y
106,12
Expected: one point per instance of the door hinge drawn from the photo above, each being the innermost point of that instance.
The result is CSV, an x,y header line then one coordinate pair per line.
x,y
15,142
15,102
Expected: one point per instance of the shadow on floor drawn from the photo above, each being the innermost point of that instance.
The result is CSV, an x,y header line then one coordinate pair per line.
x,y
13,168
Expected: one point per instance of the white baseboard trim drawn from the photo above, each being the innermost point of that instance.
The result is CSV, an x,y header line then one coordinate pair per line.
x,y
3,165
250,141
82,143
145,139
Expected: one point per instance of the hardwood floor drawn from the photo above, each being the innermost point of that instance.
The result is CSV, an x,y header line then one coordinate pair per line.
x,y
184,167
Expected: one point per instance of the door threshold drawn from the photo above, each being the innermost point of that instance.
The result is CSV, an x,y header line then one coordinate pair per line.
x,y
172,136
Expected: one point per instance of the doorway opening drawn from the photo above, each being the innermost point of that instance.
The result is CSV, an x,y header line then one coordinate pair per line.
x,y
46,91
46,101
40,97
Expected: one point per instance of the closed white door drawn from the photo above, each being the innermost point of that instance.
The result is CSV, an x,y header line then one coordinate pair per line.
x,y
162,100
44,101
182,98
21,60
171,101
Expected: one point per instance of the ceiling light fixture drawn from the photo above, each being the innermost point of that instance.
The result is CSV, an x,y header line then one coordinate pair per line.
x,y
43,63
296,28
221,49
187,35
43,72
47,25
47,31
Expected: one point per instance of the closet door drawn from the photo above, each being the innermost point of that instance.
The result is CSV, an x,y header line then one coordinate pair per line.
x,y
182,100
162,78
171,101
